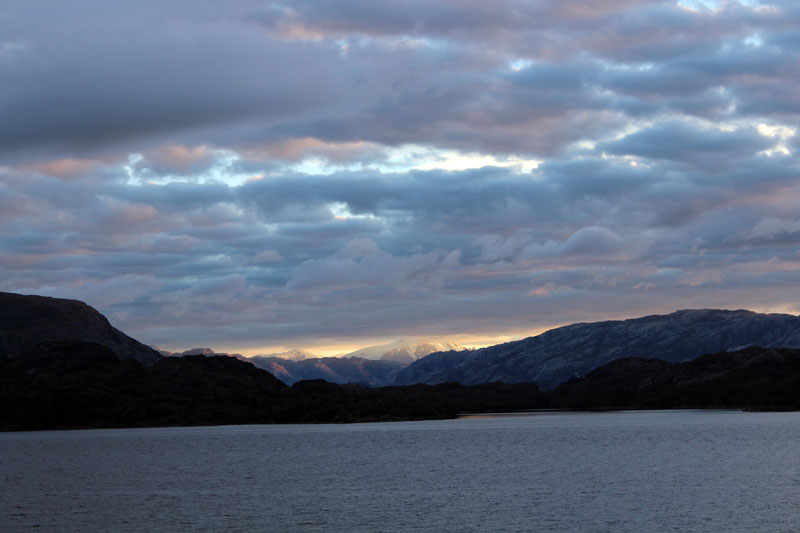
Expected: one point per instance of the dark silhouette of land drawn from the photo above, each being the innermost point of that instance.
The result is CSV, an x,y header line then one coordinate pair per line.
x,y
71,385
87,374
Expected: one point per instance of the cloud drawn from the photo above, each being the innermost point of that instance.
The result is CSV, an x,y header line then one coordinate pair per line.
x,y
592,242
267,256
107,293
710,148
368,75
178,159
266,172
772,228
361,264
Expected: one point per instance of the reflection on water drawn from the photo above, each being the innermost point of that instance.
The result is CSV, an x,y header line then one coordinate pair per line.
x,y
545,471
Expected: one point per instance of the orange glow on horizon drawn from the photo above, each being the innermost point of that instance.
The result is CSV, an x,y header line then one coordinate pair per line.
x,y
337,347
332,348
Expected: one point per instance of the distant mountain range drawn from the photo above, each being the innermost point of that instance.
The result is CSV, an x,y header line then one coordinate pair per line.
x,y
62,365
405,352
375,366
571,351
375,373
295,354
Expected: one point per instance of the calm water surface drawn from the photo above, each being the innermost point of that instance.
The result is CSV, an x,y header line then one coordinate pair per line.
x,y
629,471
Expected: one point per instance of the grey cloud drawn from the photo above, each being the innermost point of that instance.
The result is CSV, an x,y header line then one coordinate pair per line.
x,y
701,147
139,78
623,30
594,240
774,229
111,292
412,17
177,160
116,80
372,269
199,88
592,243
176,195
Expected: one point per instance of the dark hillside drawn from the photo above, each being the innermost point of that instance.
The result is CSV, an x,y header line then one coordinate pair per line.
x,y
753,378
28,321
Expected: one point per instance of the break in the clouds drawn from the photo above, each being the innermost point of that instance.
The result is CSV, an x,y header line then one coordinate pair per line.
x,y
261,174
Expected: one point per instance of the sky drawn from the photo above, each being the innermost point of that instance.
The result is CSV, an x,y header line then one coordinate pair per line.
x,y
255,176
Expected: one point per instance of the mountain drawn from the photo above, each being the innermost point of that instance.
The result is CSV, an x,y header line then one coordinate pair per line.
x,y
47,382
557,355
64,366
205,352
333,369
85,384
375,366
755,378
78,385
27,322
295,354
297,365
403,351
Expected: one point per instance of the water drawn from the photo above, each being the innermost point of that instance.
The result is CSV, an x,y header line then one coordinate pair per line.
x,y
631,471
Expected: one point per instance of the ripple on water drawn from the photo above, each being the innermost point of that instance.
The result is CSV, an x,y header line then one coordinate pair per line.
x,y
631,471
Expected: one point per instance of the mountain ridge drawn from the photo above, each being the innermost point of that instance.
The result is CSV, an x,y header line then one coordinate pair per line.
x,y
58,384
372,372
559,354
375,366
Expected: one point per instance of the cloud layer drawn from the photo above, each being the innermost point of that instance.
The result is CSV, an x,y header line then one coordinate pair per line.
x,y
272,174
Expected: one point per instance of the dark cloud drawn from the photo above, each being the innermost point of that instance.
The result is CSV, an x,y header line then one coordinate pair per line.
x,y
140,76
709,148
93,81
